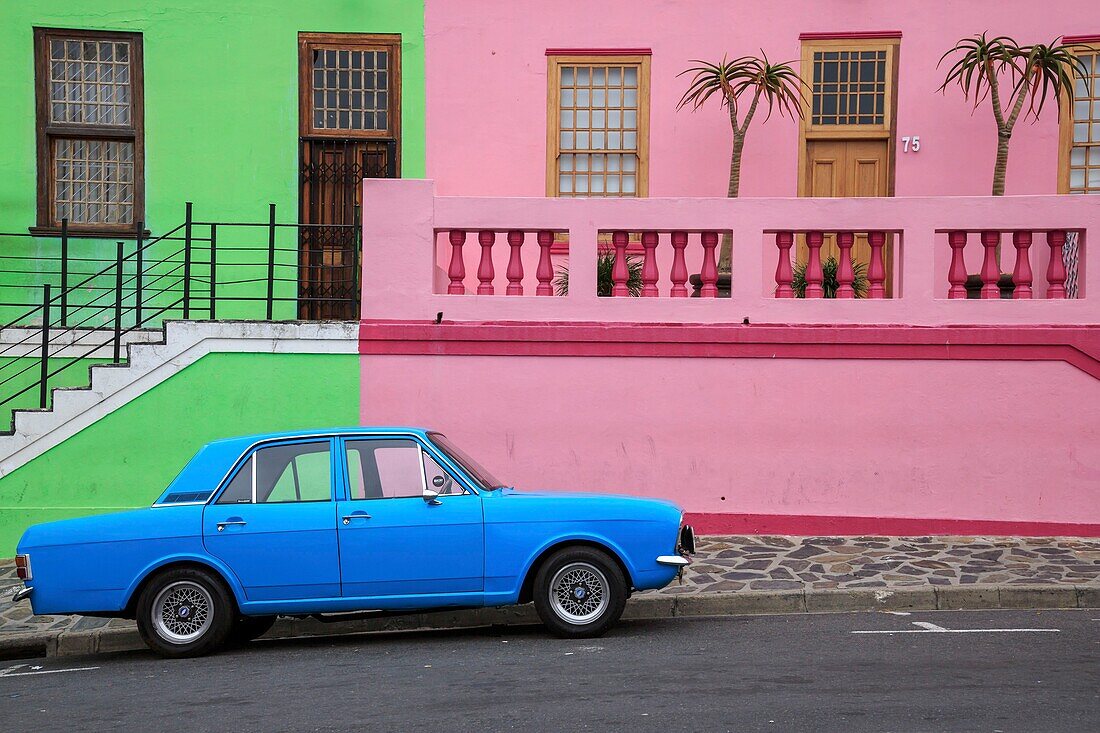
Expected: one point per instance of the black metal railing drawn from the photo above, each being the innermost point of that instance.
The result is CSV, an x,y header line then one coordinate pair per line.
x,y
83,305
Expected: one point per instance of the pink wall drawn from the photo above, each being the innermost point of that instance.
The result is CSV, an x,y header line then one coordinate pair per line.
x,y
486,126
965,440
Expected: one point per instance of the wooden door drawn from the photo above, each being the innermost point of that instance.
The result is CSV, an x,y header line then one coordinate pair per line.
x,y
349,129
847,168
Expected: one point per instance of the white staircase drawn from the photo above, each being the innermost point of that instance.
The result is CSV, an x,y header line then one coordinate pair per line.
x,y
153,357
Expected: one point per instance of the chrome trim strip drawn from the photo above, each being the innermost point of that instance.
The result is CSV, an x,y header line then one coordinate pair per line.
x,y
20,594
675,560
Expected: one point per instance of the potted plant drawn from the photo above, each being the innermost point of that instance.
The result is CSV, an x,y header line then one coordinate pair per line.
x,y
605,264
829,282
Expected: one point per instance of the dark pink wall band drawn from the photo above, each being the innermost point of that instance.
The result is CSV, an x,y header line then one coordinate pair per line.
x,y
809,525
1075,345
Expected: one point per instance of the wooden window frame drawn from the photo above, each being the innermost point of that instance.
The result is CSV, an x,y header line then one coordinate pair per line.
x,y
554,62
46,131
389,42
807,131
1091,44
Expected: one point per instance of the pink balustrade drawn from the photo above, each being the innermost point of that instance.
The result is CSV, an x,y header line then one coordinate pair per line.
x,y
898,260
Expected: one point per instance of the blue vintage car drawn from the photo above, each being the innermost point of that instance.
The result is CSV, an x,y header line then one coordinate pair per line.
x,y
350,520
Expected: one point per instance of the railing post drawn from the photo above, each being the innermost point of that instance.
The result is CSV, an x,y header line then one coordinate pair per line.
x,y
679,272
876,269
44,367
64,272
139,260
456,269
271,262
649,265
956,275
213,271
118,303
1021,273
187,261
844,272
814,275
515,264
485,271
783,274
991,270
1056,268
545,271
620,273
708,272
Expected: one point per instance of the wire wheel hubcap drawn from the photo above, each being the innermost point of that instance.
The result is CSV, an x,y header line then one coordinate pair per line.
x,y
182,612
578,593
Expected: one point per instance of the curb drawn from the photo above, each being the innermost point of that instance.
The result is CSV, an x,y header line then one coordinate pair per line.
x,y
656,606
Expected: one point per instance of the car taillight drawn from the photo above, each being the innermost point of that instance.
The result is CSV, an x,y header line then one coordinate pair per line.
x,y
23,567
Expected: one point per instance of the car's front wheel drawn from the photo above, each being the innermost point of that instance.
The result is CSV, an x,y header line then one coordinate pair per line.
x,y
185,612
579,592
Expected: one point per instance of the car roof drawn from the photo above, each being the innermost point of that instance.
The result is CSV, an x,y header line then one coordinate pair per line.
x,y
246,440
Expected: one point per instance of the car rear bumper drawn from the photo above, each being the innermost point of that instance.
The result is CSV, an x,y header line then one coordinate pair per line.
x,y
20,594
677,561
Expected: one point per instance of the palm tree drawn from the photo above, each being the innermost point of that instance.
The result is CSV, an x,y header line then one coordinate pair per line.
x,y
778,86
1035,73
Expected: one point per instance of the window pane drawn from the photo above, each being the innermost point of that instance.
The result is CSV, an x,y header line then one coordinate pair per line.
x,y
601,113
439,479
1077,156
848,87
388,469
93,181
89,83
239,490
296,472
353,88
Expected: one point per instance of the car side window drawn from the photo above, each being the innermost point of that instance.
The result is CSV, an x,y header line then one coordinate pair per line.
x,y
385,469
440,479
281,474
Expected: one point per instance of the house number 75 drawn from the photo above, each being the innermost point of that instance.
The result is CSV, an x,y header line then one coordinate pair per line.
x,y
910,144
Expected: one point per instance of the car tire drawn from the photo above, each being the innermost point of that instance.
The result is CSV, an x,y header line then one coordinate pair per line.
x,y
185,612
579,592
249,628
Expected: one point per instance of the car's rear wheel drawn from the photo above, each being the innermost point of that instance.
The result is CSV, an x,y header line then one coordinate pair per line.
x,y
579,592
185,612
248,628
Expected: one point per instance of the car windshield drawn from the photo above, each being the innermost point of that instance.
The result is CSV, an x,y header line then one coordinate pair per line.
x,y
477,472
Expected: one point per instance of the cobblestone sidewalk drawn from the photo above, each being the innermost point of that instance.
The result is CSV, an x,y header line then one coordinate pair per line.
x,y
732,564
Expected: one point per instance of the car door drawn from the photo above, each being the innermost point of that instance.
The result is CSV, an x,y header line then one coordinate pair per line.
x,y
396,545
274,524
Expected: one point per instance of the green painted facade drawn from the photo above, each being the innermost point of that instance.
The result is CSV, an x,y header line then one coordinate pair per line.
x,y
221,120
127,458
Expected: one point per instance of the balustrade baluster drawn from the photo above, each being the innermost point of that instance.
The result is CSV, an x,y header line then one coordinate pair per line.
x,y
956,275
1056,268
544,273
456,269
1021,273
814,275
485,272
991,269
679,273
876,268
620,274
844,273
708,273
783,274
515,264
649,265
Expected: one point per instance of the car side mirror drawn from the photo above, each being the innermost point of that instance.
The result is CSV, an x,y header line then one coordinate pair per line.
x,y
431,496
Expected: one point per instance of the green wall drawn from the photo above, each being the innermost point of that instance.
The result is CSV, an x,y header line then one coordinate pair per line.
x,y
127,458
221,115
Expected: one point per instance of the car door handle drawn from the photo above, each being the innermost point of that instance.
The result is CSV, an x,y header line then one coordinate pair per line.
x,y
357,515
231,522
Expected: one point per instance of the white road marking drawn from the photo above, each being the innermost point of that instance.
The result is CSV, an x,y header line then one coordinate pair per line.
x,y
9,672
898,613
931,628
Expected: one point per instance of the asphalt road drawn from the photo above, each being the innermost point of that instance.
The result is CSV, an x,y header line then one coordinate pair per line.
x,y
766,673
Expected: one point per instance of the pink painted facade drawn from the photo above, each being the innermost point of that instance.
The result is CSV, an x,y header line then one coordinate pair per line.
x,y
914,413
486,126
